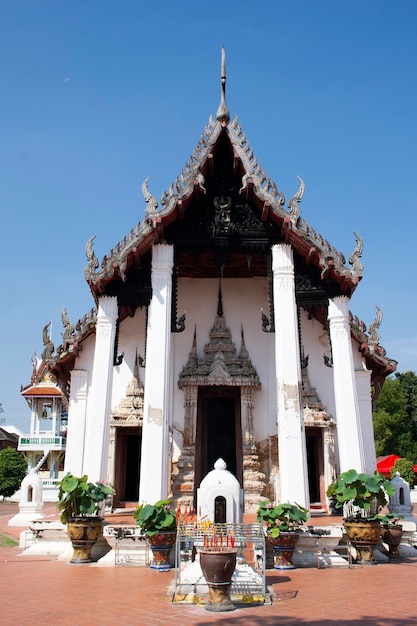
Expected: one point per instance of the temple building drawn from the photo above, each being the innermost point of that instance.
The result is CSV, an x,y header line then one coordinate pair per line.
x,y
220,329
44,446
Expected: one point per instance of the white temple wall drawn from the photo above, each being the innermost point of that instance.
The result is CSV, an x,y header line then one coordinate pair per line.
x,y
79,396
85,358
84,361
242,301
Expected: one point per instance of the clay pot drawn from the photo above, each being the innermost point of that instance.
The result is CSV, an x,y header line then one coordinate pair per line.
x,y
392,535
283,547
161,545
218,567
363,535
83,532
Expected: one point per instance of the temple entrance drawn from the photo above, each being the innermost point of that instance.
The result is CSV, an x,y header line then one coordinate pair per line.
x,y
314,445
127,467
219,432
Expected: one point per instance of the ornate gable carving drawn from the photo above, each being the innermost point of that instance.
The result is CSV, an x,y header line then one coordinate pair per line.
x,y
221,365
314,412
129,412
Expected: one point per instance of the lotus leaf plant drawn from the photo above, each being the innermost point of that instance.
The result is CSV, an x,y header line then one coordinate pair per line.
x,y
79,498
360,495
283,517
156,518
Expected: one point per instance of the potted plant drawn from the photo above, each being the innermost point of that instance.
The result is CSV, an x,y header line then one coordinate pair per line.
x,y
391,533
80,503
158,522
283,522
361,496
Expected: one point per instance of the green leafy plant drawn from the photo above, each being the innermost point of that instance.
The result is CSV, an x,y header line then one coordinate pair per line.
x,y
155,518
284,517
405,469
13,469
390,520
360,495
79,498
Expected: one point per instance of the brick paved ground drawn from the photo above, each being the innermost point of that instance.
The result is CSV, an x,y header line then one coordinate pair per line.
x,y
41,590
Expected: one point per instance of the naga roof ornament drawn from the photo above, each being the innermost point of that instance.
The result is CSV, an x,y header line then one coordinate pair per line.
x,y
151,202
357,267
369,339
72,336
293,203
373,328
47,342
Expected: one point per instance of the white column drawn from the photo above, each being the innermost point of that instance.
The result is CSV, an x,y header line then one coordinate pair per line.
x,y
53,416
291,435
112,456
74,451
363,385
349,435
155,435
98,409
33,414
39,408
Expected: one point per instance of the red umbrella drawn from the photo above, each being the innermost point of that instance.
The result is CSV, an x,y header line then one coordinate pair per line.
x,y
386,463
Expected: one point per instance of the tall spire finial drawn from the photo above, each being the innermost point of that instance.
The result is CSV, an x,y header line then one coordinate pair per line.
x,y
223,114
220,302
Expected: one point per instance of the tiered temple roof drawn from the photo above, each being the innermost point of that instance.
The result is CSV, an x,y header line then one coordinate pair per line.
x,y
224,200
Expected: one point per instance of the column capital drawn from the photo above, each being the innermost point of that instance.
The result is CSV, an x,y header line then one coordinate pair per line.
x,y
338,308
282,258
162,257
79,383
107,309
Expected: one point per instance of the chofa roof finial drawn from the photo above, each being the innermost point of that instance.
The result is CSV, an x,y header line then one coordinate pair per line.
x,y
223,114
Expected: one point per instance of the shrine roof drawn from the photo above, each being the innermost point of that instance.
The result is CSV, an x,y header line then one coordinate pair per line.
x,y
41,390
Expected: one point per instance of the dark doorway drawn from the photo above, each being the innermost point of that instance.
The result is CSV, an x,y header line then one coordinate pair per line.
x,y
133,446
315,464
219,433
127,466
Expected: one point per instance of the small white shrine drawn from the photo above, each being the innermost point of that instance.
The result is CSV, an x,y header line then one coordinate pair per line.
x,y
220,496
31,500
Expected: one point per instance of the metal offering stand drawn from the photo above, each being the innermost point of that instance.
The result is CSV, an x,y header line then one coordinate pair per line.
x,y
248,583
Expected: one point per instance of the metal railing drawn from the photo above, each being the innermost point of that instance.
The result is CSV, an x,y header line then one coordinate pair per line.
x,y
41,441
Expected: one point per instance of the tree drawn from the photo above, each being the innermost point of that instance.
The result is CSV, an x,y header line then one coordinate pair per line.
x,y
408,385
12,471
406,470
395,417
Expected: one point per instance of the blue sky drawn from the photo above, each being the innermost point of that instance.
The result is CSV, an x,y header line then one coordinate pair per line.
x,y
98,95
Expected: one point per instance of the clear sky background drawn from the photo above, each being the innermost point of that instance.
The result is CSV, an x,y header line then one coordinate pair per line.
x,y
97,95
